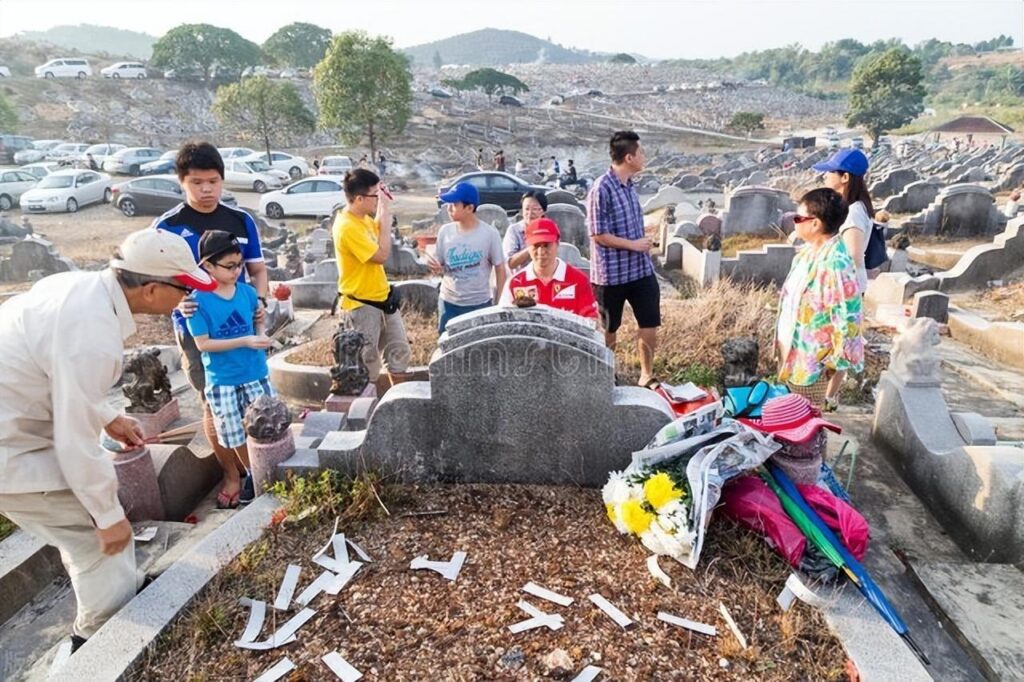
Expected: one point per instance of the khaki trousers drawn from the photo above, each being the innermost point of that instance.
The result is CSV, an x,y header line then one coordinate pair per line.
x,y
386,336
102,583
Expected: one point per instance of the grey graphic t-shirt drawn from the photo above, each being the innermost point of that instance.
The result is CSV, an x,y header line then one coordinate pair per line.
x,y
467,258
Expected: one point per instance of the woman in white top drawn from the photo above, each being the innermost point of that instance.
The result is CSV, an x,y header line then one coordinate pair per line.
x,y
844,173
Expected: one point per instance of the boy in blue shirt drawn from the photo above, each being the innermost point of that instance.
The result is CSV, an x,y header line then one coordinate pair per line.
x,y
234,354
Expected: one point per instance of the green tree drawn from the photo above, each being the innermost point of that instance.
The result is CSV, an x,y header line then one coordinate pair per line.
x,y
201,47
8,116
493,82
622,58
437,60
299,44
363,89
886,91
261,109
747,122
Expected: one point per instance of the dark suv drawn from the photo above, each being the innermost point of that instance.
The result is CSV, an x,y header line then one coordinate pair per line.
x,y
11,145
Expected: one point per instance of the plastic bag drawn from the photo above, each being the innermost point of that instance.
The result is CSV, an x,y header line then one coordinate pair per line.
x,y
750,502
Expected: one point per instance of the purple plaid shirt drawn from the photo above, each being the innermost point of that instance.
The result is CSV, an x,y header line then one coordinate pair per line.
x,y
614,208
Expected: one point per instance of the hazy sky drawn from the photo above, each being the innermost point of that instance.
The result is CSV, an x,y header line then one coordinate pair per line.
x,y
655,28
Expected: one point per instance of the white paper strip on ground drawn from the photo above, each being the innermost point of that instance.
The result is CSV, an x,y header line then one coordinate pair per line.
x,y
621,619
315,588
732,624
702,628
146,534
550,622
276,671
287,589
264,646
330,540
340,550
258,611
538,591
363,556
341,668
588,674
795,589
655,570
330,563
333,586
449,569
60,659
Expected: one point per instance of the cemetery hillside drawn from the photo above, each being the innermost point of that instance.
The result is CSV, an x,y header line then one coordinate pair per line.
x,y
342,355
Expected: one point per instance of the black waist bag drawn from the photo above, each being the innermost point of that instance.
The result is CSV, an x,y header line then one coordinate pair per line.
x,y
388,306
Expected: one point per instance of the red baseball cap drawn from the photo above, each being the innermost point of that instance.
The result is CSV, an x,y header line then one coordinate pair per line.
x,y
542,231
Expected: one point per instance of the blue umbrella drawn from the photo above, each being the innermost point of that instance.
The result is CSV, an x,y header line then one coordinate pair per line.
x,y
864,583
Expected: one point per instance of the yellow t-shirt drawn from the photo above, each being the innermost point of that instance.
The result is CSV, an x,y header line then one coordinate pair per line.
x,y
355,242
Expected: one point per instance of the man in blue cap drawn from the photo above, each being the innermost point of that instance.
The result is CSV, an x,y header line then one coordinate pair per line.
x,y
844,173
468,249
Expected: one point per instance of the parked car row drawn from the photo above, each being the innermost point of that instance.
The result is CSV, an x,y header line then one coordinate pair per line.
x,y
67,190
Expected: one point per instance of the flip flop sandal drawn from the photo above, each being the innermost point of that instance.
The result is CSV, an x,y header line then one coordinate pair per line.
x,y
651,383
226,501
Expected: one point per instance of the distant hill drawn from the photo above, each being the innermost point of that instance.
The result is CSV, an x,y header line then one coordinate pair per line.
x,y
494,47
92,39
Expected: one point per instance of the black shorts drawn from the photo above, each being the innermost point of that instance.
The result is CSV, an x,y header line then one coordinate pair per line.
x,y
644,296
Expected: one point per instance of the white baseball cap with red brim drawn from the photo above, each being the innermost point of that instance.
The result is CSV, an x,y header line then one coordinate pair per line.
x,y
160,253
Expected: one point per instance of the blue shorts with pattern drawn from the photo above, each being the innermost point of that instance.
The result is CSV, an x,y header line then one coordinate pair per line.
x,y
228,405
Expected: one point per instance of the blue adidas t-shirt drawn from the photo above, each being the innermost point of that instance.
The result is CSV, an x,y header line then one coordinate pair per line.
x,y
190,224
221,318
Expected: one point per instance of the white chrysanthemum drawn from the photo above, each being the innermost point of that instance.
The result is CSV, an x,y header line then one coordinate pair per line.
x,y
616,490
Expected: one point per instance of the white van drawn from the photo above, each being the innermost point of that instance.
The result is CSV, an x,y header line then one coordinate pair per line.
x,y
125,70
65,68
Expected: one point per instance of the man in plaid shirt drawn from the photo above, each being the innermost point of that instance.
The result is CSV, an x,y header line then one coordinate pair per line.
x,y
621,269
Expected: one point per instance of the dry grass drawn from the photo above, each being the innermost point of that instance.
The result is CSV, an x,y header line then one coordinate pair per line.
x,y
6,527
420,328
692,330
1005,303
395,624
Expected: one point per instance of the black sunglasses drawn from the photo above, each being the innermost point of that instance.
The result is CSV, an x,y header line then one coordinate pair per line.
x,y
187,290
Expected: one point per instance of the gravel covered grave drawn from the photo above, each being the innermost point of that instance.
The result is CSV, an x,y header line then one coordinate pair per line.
x,y
392,623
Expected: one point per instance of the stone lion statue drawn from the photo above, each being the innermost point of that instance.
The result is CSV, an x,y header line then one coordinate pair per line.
x,y
349,376
145,383
913,357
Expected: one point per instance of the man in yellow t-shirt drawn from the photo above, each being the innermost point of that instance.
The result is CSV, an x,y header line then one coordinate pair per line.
x,y
362,244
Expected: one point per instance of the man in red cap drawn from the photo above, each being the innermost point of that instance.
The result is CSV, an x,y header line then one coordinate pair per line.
x,y
548,280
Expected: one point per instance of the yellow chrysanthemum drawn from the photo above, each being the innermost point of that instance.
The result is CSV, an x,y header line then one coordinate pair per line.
x,y
660,490
636,518
610,508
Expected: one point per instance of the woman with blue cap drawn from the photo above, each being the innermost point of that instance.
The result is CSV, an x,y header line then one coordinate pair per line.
x,y
844,173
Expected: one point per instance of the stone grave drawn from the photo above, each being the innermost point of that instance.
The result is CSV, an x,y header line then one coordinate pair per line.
x,y
572,223
950,459
514,396
32,259
668,195
561,196
405,262
493,215
915,197
753,209
893,182
317,290
959,211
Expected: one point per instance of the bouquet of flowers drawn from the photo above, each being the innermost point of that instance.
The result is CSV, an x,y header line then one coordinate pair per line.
x,y
654,505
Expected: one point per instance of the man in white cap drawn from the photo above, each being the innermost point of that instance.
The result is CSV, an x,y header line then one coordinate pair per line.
x,y
61,347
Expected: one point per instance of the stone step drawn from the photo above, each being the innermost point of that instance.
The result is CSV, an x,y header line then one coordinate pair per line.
x,y
999,384
982,605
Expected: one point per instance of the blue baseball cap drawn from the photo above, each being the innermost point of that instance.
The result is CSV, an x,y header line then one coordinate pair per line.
x,y
850,161
463,193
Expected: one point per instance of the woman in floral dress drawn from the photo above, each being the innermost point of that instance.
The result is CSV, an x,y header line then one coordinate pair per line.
x,y
818,336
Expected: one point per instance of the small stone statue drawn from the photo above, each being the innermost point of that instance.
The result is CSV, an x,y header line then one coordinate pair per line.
x,y
713,242
293,260
913,359
739,357
267,419
145,382
349,376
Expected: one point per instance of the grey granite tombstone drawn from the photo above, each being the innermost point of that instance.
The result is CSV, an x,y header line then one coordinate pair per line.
x,y
34,254
493,215
932,304
514,396
753,209
572,223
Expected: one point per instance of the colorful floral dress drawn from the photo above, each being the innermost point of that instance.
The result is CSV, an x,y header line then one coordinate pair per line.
x,y
820,318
